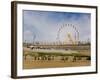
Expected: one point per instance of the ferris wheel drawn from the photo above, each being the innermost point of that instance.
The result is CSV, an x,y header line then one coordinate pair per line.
x,y
68,34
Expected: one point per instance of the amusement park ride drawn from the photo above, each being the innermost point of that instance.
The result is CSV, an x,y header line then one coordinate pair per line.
x,y
71,38
71,34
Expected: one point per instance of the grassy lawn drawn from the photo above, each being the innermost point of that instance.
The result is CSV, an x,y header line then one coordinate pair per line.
x,y
53,53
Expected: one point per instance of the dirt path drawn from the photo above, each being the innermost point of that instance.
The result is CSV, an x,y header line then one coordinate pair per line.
x,y
53,64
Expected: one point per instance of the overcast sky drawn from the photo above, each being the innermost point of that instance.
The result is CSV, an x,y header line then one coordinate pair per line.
x,y
44,25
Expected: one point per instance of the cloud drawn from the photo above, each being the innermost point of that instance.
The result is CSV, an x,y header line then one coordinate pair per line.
x,y
45,25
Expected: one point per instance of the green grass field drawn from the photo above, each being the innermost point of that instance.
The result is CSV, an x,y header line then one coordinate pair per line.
x,y
77,59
